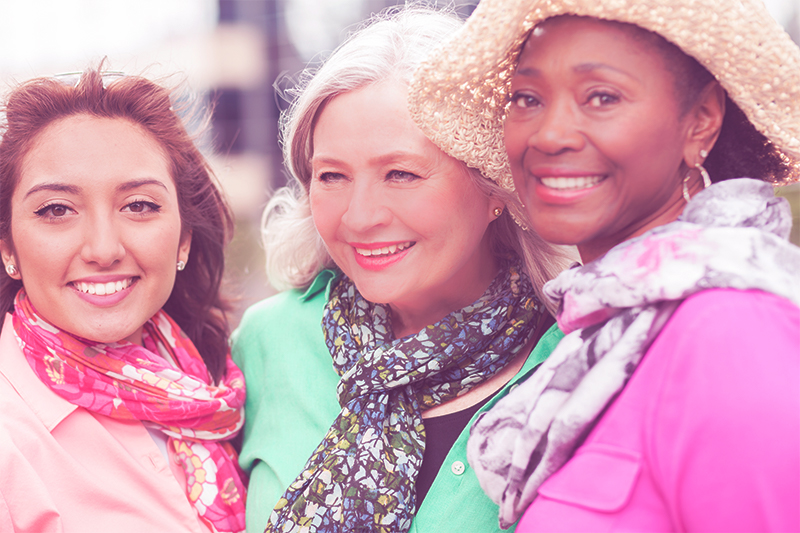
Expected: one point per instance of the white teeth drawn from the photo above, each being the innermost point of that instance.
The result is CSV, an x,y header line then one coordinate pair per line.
x,y
103,289
385,250
576,182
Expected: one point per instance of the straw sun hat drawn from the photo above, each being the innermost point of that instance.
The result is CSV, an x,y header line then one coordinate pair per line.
x,y
459,95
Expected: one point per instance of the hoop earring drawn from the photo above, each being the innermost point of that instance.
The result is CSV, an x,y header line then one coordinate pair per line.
x,y
11,270
703,174
181,265
498,211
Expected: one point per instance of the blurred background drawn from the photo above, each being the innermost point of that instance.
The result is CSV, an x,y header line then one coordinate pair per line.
x,y
239,54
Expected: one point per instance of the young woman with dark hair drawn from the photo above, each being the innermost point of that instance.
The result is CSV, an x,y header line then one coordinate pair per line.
x,y
117,392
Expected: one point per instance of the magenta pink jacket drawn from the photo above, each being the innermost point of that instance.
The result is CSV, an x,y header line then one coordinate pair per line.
x,y
705,436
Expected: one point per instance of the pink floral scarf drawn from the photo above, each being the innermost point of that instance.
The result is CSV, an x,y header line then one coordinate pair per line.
x,y
130,382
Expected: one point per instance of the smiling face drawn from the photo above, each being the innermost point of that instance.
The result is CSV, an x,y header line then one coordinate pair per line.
x,y
402,219
595,135
95,228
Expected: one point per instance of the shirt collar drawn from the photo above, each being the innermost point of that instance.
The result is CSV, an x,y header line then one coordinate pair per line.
x,y
324,280
49,407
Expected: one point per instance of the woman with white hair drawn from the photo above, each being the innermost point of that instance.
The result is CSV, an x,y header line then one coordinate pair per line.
x,y
408,309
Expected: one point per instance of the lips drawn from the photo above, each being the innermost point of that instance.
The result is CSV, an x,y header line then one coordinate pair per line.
x,y
103,289
570,183
384,250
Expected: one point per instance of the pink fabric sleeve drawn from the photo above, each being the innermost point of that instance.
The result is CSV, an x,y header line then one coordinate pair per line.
x,y
725,425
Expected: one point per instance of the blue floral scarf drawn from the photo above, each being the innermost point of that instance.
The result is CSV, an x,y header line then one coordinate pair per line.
x,y
362,476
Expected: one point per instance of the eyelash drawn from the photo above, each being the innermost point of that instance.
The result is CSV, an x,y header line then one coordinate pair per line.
x,y
393,175
46,211
603,95
327,177
401,175
532,101
43,211
517,97
154,207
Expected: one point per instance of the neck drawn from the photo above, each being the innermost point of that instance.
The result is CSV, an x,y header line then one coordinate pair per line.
x,y
591,250
409,318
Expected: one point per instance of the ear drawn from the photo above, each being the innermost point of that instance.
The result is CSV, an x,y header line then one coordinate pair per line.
x,y
7,253
185,246
705,123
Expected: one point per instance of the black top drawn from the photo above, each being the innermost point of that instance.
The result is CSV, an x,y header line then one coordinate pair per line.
x,y
441,432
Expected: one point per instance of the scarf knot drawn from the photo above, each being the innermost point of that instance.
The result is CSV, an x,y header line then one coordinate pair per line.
x,y
362,475
126,381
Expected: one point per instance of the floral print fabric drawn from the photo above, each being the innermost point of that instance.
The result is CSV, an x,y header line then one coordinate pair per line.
x,y
361,477
731,235
130,382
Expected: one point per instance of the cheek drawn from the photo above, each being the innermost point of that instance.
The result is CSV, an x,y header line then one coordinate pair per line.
x,y
326,212
511,136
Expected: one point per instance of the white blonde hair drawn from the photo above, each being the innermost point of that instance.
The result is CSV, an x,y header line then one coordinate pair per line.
x,y
390,46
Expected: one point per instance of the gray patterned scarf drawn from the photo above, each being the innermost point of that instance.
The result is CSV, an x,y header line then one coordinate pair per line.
x,y
731,235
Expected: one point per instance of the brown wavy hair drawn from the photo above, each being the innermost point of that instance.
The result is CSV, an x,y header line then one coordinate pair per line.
x,y
196,302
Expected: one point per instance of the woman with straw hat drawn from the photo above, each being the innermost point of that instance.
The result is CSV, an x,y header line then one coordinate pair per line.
x,y
408,307
650,135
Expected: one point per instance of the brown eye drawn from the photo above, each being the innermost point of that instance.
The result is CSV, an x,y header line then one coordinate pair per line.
x,y
142,207
602,99
53,211
524,101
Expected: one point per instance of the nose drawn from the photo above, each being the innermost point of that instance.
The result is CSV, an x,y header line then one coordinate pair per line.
x,y
557,129
102,242
367,206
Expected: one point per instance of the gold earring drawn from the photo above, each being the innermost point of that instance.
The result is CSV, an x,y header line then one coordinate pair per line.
x,y
703,174
498,211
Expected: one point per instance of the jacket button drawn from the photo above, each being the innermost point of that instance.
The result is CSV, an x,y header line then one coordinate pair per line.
x,y
457,468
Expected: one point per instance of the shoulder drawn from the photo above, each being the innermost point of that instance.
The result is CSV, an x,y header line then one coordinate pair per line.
x,y
730,341
289,312
723,410
734,320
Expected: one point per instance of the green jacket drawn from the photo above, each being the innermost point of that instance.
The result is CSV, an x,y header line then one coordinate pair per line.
x,y
291,403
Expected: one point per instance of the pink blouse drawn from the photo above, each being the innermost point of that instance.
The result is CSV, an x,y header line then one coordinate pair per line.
x,y
65,469
705,436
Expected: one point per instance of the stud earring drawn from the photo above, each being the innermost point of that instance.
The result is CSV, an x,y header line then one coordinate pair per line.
x,y
181,265
703,154
498,211
11,270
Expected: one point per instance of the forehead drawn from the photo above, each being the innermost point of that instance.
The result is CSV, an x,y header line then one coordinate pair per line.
x,y
372,122
593,38
90,148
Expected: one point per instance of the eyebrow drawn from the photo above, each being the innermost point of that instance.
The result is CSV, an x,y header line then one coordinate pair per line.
x,y
55,187
134,184
582,68
381,159
74,189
